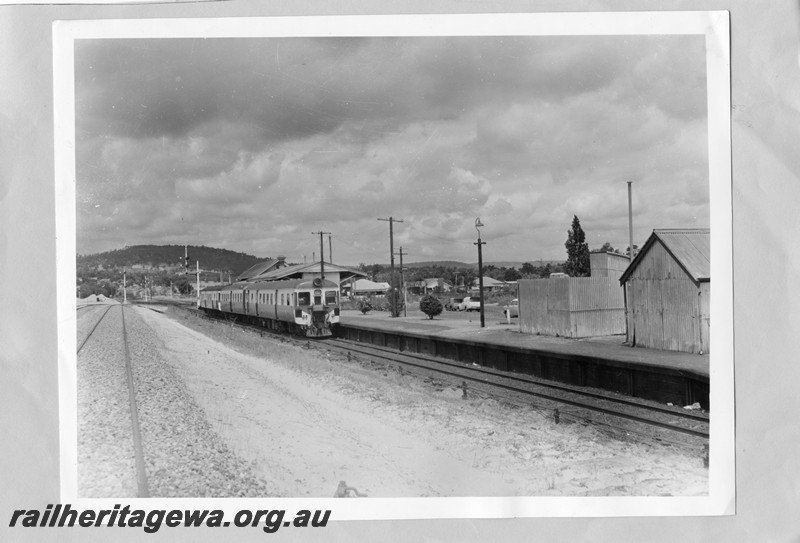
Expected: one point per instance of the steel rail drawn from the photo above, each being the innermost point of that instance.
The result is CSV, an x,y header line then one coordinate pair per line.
x,y
141,475
393,356
93,328
687,414
558,399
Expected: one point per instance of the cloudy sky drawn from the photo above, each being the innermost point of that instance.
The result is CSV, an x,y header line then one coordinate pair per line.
x,y
253,144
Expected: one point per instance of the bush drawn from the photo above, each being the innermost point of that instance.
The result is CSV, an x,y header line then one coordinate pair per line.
x,y
431,306
364,306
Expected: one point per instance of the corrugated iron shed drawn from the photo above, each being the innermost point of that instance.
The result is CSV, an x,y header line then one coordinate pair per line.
x,y
690,247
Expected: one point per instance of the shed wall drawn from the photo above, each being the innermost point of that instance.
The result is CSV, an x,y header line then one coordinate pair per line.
x,y
667,309
608,265
571,307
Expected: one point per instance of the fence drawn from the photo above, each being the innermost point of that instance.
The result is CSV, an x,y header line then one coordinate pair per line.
x,y
572,307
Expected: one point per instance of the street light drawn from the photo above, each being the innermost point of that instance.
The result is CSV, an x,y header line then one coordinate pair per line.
x,y
478,224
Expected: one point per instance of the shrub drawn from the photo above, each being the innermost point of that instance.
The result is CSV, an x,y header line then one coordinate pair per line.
x,y
431,306
364,306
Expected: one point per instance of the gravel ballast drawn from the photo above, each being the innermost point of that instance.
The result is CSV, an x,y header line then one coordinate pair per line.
x,y
226,412
183,456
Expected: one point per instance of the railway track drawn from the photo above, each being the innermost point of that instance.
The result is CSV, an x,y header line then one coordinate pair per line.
x,y
85,339
655,415
564,402
141,477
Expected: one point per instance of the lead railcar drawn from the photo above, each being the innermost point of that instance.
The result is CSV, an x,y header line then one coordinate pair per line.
x,y
307,307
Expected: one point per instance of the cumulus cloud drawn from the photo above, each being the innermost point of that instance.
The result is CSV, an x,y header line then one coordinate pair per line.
x,y
251,144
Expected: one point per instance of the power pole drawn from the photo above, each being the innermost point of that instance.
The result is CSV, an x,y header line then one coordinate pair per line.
x,y
630,328
330,249
391,221
124,287
630,221
198,283
402,281
478,224
321,254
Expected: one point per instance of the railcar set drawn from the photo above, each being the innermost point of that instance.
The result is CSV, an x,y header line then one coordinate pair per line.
x,y
306,307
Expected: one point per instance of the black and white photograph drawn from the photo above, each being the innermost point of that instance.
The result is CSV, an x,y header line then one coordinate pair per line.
x,y
401,258
399,271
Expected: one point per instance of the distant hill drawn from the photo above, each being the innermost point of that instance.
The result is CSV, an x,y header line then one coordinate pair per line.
x,y
442,263
156,256
458,264
518,265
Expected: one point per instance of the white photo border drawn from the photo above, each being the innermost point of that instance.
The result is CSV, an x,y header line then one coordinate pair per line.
x,y
714,25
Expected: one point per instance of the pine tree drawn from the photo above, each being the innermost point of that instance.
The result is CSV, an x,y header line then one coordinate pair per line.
x,y
577,251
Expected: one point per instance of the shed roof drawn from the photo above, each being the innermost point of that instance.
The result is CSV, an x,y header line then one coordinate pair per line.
x,y
259,269
690,247
365,285
298,270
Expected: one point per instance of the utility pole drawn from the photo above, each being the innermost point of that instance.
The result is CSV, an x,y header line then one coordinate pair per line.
x,y
330,249
391,221
630,331
321,254
478,224
630,222
198,283
403,281
124,287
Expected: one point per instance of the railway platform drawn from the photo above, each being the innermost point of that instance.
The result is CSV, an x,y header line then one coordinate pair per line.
x,y
603,362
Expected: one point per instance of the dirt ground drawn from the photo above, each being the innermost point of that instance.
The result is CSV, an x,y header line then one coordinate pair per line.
x,y
308,420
